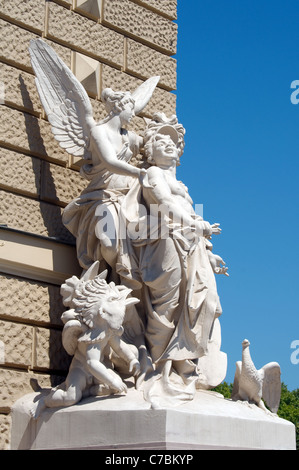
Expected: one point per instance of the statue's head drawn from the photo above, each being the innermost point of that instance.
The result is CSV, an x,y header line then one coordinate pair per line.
x,y
96,300
163,131
93,300
117,101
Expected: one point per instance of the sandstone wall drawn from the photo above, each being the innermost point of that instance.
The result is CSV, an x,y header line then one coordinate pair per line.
x,y
115,43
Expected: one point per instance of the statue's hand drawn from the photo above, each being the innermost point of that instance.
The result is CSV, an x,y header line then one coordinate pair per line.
x,y
222,270
118,385
216,262
216,229
142,174
134,367
143,179
203,228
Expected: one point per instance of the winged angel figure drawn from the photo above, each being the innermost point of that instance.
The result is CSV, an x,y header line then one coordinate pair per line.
x,y
106,148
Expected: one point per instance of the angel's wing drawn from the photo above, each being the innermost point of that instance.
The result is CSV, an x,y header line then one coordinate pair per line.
x,y
143,93
272,385
64,99
67,290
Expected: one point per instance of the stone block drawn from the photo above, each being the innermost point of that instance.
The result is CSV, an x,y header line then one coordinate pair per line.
x,y
14,46
15,384
38,258
209,422
20,89
32,216
49,352
138,125
30,13
66,3
17,342
146,62
84,35
29,134
36,301
141,23
20,172
87,71
164,7
90,8
5,424
99,111
14,43
161,100
60,185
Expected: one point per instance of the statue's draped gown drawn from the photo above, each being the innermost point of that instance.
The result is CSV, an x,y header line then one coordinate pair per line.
x,y
173,272
98,203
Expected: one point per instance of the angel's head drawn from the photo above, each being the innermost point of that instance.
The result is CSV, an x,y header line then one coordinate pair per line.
x,y
119,103
161,130
98,302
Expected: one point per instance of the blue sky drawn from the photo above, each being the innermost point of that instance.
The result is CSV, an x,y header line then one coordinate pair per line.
x,y
236,62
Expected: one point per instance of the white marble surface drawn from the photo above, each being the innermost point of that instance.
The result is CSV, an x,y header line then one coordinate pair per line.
x,y
127,422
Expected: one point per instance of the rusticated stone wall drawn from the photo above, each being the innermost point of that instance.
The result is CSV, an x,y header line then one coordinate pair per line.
x,y
122,43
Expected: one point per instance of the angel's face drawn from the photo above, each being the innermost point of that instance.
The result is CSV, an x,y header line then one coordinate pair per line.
x,y
127,112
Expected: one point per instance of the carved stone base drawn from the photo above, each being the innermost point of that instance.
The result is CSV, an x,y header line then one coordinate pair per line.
x,y
127,422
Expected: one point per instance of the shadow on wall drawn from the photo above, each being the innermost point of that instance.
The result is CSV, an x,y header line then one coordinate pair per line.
x,y
51,215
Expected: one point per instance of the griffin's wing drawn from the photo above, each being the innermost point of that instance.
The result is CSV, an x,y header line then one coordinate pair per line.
x,y
67,290
70,333
143,93
235,390
272,385
92,272
64,99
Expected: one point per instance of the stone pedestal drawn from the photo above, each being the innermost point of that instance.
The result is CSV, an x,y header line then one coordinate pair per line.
x,y
127,422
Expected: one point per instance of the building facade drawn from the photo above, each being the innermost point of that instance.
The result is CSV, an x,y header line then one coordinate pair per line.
x,y
106,43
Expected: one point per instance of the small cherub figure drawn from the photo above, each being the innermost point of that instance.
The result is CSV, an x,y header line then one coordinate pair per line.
x,y
92,334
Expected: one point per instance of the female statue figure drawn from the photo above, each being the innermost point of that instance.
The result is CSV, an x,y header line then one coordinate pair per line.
x,y
175,268
110,176
106,145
